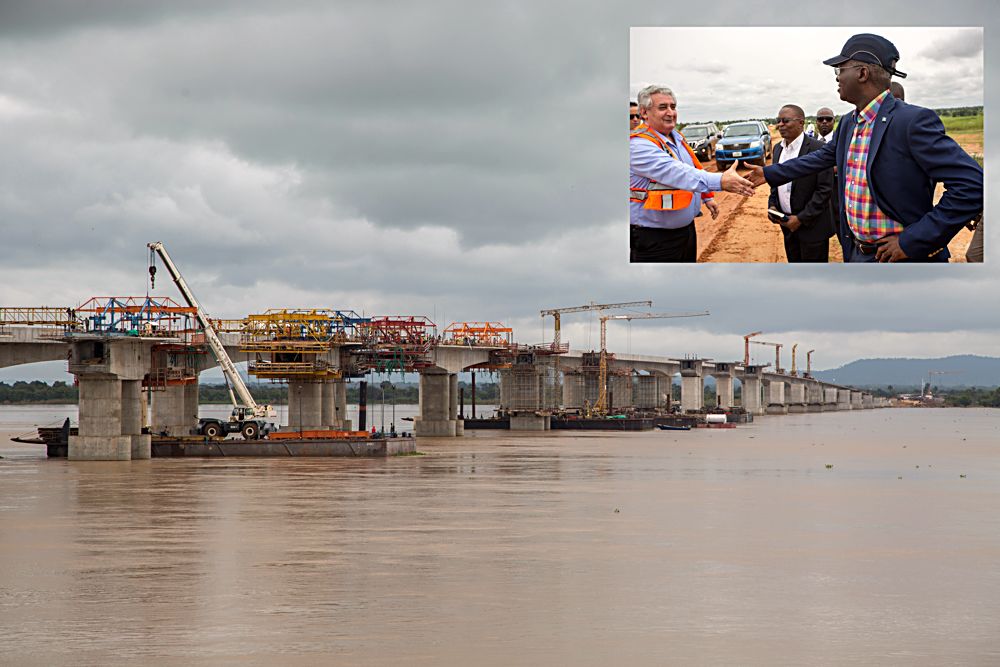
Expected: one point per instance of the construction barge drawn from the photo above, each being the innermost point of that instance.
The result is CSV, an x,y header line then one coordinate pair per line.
x,y
288,443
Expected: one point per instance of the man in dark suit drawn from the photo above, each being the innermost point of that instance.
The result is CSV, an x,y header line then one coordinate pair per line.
x,y
807,225
889,157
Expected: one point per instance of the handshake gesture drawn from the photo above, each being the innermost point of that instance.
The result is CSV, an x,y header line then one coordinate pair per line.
x,y
733,182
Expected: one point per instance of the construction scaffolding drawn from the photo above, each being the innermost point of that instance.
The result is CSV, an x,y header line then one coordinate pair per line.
x,y
485,334
396,343
298,345
134,316
173,364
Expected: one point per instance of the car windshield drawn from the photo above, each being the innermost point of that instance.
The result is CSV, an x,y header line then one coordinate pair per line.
x,y
695,132
741,130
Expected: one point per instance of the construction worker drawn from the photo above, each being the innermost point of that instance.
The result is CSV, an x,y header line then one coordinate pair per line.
x,y
667,184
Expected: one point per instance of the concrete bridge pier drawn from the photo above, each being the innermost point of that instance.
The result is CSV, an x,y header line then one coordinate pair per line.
x,y
438,405
751,394
724,374
796,400
856,400
175,409
572,394
692,385
109,373
305,407
333,405
867,401
829,399
814,396
776,398
843,399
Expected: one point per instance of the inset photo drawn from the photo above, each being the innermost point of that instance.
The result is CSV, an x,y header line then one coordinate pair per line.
x,y
806,145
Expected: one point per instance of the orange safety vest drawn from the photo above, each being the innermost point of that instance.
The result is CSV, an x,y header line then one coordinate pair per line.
x,y
656,196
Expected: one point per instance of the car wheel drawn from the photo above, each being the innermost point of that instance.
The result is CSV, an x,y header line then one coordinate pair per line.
x,y
250,431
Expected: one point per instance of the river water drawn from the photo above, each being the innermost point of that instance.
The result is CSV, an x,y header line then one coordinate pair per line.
x,y
850,538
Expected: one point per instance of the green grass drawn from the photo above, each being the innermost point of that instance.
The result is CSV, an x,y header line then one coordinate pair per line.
x,y
963,123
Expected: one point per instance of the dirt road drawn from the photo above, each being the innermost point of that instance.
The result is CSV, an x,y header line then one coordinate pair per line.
x,y
742,232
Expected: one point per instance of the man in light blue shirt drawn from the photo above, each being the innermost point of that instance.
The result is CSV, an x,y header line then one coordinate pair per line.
x,y
666,184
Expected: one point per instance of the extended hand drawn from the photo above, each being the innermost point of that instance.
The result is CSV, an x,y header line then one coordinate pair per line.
x,y
712,207
889,250
792,224
756,175
733,182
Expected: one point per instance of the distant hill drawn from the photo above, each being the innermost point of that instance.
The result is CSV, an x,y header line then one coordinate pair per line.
x,y
964,370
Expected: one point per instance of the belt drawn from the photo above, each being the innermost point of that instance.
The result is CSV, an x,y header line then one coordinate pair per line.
x,y
864,247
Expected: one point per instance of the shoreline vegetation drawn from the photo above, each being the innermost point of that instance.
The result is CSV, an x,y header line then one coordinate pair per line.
x,y
62,393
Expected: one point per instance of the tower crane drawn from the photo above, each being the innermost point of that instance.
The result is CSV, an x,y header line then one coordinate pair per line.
x,y
746,346
925,391
808,372
794,347
247,416
777,353
556,312
601,407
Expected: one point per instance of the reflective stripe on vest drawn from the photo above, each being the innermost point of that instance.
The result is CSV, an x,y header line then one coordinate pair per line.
x,y
658,197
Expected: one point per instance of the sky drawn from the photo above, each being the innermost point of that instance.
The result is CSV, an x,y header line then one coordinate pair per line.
x,y
463,161
943,67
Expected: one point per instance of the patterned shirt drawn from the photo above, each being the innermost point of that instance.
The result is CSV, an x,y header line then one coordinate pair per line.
x,y
863,215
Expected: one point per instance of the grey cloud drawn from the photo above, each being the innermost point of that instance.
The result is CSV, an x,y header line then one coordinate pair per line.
x,y
965,44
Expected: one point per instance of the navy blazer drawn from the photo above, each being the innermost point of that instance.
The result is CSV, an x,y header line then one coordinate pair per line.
x,y
909,153
810,197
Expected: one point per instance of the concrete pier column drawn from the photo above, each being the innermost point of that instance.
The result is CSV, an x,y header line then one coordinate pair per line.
x,y
505,389
750,395
572,391
776,398
796,399
132,406
192,408
328,405
843,399
647,392
692,393
100,436
169,411
724,391
453,404
867,401
340,406
855,400
305,406
435,406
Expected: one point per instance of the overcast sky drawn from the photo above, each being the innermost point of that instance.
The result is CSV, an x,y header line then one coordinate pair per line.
x,y
451,159
778,66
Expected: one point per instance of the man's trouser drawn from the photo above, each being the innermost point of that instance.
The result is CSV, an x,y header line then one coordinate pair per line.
x,y
797,250
650,244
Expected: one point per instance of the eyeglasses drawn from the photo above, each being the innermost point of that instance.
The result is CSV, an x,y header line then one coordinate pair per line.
x,y
824,119
838,70
633,115
785,121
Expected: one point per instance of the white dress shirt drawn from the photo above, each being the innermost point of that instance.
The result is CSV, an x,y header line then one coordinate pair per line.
x,y
825,138
788,152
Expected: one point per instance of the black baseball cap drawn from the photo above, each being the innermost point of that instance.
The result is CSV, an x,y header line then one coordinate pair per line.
x,y
869,48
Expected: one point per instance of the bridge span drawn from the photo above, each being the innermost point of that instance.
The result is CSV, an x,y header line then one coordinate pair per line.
x,y
114,370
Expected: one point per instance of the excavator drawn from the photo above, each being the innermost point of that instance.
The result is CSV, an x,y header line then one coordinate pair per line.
x,y
247,418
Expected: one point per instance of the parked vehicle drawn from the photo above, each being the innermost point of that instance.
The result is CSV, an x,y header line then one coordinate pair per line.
x,y
702,139
749,141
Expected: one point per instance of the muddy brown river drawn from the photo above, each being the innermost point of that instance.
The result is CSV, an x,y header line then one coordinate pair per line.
x,y
849,538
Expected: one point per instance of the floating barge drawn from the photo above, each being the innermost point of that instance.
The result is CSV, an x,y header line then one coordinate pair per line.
x,y
598,424
501,423
56,445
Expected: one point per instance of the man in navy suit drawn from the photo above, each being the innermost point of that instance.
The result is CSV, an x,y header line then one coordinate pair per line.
x,y
889,157
805,202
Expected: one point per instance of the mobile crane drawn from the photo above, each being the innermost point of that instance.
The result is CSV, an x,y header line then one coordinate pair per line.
x,y
247,418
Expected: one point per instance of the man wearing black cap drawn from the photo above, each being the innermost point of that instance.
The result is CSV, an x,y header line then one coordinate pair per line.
x,y
889,157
